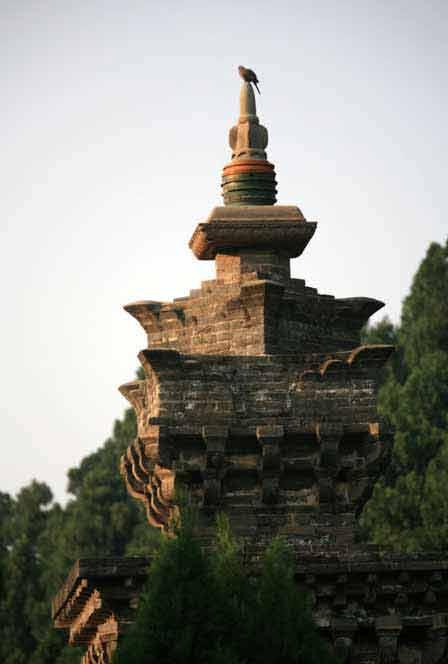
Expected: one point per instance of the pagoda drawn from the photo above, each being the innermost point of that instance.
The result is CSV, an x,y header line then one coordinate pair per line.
x,y
259,400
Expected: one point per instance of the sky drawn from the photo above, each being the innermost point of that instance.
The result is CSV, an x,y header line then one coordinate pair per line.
x,y
115,117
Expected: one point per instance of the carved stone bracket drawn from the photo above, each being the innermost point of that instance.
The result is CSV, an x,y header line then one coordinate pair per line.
x,y
215,439
270,438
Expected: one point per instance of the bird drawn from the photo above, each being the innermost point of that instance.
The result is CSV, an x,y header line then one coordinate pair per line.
x,y
249,76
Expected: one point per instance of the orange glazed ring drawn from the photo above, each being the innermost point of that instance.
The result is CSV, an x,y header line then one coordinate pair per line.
x,y
249,168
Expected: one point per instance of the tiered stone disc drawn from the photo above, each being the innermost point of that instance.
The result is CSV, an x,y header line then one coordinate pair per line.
x,y
249,179
249,182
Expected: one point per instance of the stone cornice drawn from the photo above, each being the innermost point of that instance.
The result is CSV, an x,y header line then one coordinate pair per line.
x,y
278,228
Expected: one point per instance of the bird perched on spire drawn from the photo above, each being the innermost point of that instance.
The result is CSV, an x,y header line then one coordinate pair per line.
x,y
249,76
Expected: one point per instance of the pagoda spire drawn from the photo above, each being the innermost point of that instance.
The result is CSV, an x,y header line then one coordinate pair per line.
x,y
249,179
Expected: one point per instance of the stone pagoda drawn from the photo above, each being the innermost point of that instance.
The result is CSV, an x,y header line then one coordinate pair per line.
x,y
259,400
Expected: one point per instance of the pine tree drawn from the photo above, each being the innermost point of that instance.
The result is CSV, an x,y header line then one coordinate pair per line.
x,y
203,607
282,630
21,602
174,624
407,509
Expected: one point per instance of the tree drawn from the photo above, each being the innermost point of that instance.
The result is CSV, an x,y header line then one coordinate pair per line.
x,y
21,607
408,508
202,607
175,604
282,628
6,505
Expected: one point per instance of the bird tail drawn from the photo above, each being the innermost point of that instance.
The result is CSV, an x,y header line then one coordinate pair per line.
x,y
258,89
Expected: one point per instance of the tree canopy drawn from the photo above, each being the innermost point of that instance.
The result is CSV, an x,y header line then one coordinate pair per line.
x,y
408,509
202,607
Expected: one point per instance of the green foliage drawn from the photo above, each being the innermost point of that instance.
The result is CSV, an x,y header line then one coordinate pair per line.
x,y
21,601
202,607
424,319
282,628
408,508
175,604
384,332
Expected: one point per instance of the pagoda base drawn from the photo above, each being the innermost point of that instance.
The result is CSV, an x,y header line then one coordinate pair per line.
x,y
370,606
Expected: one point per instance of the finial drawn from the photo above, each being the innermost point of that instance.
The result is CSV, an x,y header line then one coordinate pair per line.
x,y
248,107
249,179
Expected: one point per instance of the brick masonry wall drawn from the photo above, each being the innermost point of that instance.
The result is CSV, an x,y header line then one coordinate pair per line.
x,y
254,316
286,444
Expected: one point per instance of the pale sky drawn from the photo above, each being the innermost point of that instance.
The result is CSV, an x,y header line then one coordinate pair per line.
x,y
115,118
